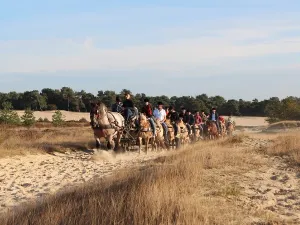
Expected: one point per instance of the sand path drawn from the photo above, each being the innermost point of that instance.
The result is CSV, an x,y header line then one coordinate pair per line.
x,y
273,187
28,177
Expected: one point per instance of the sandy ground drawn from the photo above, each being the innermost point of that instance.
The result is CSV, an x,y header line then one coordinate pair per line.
x,y
240,121
68,115
274,187
25,178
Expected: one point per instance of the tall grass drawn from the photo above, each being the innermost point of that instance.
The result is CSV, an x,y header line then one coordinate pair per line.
x,y
190,187
287,145
16,141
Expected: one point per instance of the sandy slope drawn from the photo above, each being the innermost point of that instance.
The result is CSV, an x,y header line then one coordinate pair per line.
x,y
27,177
272,187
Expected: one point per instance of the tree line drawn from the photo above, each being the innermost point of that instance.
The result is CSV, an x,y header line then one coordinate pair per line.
x,y
79,101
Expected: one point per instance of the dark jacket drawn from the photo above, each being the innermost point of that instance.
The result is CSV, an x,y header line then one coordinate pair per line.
x,y
128,103
147,109
191,120
117,107
174,116
217,116
186,118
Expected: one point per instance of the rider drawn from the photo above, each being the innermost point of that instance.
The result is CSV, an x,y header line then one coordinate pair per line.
x,y
214,116
128,106
174,117
190,121
204,116
147,110
198,121
230,120
117,107
160,114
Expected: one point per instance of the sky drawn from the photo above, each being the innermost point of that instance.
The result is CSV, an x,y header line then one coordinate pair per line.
x,y
237,49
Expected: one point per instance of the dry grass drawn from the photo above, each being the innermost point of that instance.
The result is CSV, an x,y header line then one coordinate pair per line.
x,y
284,125
18,141
192,186
286,145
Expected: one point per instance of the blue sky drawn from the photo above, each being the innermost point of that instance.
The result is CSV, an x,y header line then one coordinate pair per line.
x,y
230,48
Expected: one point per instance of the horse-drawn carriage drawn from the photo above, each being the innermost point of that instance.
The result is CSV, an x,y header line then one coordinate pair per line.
x,y
136,130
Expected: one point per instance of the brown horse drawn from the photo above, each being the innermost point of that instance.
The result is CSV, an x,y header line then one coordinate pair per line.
x,y
171,135
107,125
145,133
212,130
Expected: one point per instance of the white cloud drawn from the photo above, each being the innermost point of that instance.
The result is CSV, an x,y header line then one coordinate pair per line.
x,y
175,55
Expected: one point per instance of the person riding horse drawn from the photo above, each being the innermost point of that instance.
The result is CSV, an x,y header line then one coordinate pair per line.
x,y
160,114
117,107
147,110
214,116
174,118
199,122
190,122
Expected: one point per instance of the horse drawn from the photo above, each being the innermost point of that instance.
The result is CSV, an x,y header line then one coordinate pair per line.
x,y
212,130
197,132
159,138
184,133
230,128
171,134
223,129
108,125
145,133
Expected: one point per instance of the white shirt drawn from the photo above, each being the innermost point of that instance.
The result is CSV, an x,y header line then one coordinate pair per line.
x,y
159,114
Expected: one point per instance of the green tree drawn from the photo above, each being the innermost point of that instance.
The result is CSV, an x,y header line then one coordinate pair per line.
x,y
8,116
231,106
58,118
28,119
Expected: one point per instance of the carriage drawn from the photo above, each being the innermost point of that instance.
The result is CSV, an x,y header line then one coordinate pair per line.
x,y
119,132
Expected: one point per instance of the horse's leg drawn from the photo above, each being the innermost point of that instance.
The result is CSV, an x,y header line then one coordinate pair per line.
x,y
146,144
110,142
140,141
97,143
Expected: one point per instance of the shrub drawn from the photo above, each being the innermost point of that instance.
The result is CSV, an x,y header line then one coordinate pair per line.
x,y
83,120
8,116
28,118
58,118
40,120
46,120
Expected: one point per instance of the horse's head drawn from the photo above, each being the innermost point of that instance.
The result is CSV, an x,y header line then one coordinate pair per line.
x,y
142,117
100,110
209,125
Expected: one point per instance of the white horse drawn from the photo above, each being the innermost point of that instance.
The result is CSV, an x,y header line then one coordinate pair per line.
x,y
108,125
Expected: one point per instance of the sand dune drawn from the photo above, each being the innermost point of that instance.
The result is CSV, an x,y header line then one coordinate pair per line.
x,y
25,178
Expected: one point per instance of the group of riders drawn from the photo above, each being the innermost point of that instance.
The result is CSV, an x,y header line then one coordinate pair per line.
x,y
161,114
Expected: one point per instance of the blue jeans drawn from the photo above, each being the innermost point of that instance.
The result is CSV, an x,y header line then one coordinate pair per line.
x,y
175,126
152,125
165,129
128,113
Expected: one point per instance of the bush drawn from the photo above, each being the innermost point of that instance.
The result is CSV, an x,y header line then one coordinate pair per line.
x,y
40,120
83,120
28,118
58,118
8,116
